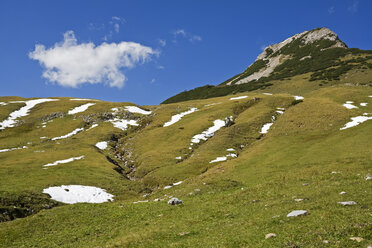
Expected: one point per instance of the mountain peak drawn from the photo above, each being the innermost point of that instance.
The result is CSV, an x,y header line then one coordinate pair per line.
x,y
306,37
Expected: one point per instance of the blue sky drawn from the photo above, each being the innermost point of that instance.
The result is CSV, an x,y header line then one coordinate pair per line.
x,y
177,45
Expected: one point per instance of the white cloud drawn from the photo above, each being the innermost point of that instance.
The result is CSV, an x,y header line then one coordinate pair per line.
x,y
162,43
331,10
179,32
354,7
153,80
182,33
195,38
71,64
160,67
117,27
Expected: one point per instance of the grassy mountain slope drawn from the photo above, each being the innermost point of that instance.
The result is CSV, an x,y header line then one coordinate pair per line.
x,y
234,203
324,60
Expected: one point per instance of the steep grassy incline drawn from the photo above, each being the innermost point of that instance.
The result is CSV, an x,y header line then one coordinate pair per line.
x,y
303,162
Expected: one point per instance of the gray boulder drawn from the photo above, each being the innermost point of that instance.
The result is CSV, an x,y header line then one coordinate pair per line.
x,y
174,201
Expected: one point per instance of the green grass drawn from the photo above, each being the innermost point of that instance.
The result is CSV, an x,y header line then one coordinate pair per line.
x,y
229,204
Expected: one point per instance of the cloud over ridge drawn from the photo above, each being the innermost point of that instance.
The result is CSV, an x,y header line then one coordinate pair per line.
x,y
70,64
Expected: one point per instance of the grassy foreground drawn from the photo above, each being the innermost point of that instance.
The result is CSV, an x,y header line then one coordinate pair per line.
x,y
302,163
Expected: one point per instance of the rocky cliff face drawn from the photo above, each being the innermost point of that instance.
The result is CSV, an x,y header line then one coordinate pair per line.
x,y
273,56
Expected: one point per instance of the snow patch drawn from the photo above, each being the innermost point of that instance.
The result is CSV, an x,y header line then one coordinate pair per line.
x,y
23,111
265,128
134,109
64,161
178,117
102,145
363,104
218,159
123,124
268,94
77,130
349,105
3,103
298,97
80,108
237,98
72,194
12,149
355,121
217,124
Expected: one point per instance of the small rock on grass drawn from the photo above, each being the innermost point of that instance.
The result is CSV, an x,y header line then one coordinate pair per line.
x,y
174,201
347,203
270,235
342,192
357,239
297,213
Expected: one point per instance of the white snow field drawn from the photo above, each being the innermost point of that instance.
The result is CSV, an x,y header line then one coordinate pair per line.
x,y
298,97
178,117
23,111
64,161
80,108
123,124
349,105
72,194
12,149
238,98
76,131
134,109
355,121
217,124
102,145
265,128
218,159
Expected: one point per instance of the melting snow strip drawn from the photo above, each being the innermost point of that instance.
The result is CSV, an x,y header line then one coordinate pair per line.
x,y
12,149
178,117
123,124
363,104
218,159
238,98
265,128
355,121
174,184
80,108
102,145
268,94
77,130
217,124
298,97
134,109
3,103
64,161
93,126
71,194
349,105
23,111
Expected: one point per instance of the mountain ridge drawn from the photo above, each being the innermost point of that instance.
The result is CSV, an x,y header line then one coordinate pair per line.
x,y
318,51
